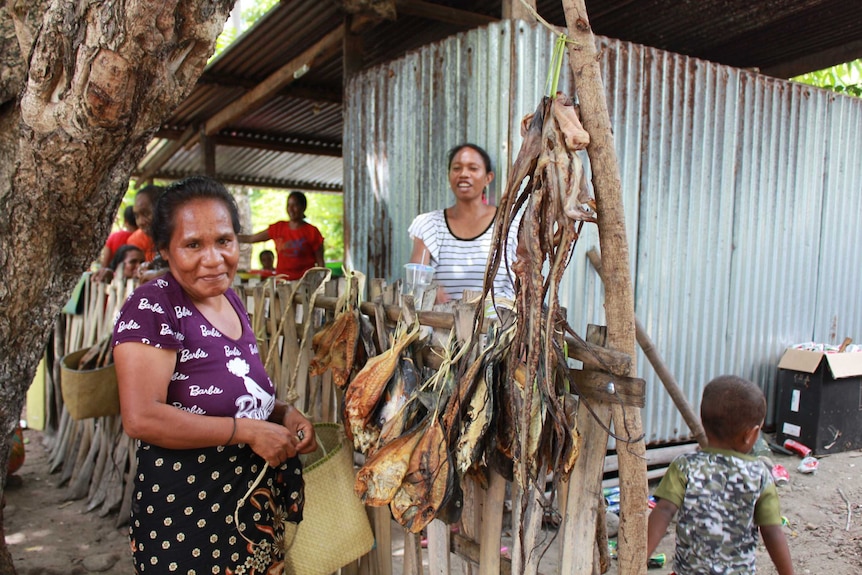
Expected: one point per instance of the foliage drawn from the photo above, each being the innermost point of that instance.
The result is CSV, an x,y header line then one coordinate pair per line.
x,y
248,16
845,78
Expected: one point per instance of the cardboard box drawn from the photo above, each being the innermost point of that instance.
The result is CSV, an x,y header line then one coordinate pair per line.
x,y
820,400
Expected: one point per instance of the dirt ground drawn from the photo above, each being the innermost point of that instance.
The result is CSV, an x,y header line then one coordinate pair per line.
x,y
48,535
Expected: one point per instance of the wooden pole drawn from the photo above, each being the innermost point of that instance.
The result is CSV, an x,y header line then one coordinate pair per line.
x,y
619,299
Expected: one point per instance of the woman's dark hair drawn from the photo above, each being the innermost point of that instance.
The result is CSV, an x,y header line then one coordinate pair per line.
x,y
179,194
120,254
299,197
129,216
485,157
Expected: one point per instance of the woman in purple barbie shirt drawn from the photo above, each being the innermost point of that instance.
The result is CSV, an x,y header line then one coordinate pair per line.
x,y
218,472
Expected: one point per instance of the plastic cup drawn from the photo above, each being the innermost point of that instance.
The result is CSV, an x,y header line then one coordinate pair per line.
x,y
417,278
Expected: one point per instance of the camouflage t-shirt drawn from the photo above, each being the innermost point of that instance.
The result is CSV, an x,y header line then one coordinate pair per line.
x,y
722,497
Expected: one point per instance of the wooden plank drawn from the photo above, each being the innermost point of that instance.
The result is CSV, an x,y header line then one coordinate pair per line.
x,y
515,10
469,549
320,51
471,522
492,521
383,536
438,548
412,555
655,456
578,526
600,386
445,14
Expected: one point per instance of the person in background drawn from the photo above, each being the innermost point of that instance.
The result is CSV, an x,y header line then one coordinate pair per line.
x,y
113,243
456,241
218,472
267,264
267,261
298,244
722,493
130,257
145,199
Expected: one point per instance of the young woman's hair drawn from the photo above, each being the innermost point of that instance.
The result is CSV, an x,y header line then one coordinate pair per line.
x,y
730,406
182,192
299,197
120,254
485,157
129,216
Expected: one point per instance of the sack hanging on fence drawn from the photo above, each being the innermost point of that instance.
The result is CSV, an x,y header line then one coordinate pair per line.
x,y
335,529
89,392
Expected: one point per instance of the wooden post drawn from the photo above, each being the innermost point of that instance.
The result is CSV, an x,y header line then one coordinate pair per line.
x,y
619,299
209,152
584,485
515,10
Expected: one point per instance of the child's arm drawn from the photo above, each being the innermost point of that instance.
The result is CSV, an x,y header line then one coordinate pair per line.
x,y
659,519
776,545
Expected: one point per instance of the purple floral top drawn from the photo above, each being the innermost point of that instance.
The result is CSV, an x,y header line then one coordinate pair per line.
x,y
214,374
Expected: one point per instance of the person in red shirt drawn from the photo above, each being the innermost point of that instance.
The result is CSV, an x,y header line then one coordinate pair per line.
x,y
113,243
145,201
298,244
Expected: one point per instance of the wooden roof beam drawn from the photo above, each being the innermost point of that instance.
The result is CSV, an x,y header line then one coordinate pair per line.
x,y
817,61
440,13
322,50
279,145
162,156
312,93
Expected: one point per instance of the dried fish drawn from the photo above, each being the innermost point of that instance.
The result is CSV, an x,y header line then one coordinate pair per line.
x,y
363,394
335,347
400,403
381,476
428,483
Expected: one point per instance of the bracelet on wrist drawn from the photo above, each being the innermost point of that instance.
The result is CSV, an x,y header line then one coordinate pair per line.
x,y
232,433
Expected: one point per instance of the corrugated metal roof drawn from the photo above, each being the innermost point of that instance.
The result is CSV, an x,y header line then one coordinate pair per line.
x,y
304,118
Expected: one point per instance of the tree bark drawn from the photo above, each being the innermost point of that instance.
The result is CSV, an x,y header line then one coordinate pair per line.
x,y
83,87
619,300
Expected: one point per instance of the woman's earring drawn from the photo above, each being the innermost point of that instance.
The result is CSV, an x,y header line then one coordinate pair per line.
x,y
485,196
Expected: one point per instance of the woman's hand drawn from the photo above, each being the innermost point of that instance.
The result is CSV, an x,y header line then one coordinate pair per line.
x,y
301,428
273,442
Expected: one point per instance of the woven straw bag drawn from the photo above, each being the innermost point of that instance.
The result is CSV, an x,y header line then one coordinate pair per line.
x,y
90,392
335,529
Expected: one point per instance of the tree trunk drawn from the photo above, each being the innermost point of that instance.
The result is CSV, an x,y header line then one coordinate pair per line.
x,y
619,299
74,121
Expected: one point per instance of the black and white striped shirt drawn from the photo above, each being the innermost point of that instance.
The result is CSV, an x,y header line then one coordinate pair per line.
x,y
459,263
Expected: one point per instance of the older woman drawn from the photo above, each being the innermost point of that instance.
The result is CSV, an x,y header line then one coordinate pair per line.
x,y
456,240
218,472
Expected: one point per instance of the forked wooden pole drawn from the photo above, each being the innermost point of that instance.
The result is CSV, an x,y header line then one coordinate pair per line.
x,y
619,302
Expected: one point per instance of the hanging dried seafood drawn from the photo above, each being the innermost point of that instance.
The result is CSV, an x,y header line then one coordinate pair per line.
x,y
335,344
364,392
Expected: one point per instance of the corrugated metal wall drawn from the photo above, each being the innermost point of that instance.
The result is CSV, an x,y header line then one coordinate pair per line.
x,y
742,193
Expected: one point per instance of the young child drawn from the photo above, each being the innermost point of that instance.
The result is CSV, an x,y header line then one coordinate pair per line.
x,y
723,495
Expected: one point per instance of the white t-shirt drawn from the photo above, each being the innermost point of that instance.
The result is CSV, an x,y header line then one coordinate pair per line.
x,y
459,263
